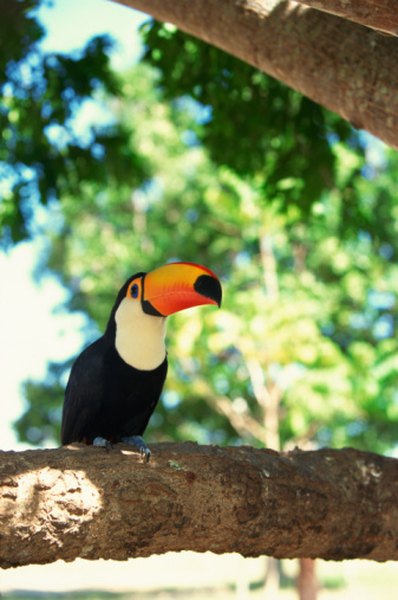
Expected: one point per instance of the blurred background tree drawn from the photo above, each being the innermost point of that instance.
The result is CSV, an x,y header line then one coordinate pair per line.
x,y
206,159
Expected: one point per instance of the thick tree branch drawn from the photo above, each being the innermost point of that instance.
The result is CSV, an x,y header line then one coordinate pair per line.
x,y
381,15
347,68
84,502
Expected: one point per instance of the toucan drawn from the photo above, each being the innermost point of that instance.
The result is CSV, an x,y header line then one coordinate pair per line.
x,y
116,382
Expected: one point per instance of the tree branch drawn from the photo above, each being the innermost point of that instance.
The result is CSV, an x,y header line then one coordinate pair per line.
x,y
84,502
347,68
243,423
381,15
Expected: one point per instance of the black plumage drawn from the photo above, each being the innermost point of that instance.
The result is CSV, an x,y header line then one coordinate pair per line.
x,y
105,397
116,382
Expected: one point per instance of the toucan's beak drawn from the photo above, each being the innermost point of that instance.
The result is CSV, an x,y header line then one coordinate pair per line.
x,y
177,286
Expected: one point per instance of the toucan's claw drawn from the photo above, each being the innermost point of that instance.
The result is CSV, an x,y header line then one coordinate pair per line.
x,y
138,443
101,442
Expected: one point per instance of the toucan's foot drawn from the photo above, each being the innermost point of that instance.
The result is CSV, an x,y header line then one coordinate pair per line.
x,y
102,443
138,443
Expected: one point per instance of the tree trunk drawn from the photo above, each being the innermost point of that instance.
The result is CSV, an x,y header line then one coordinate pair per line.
x,y
306,582
85,502
347,68
381,15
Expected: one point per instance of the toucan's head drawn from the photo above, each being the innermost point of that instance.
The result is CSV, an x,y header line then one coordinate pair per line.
x,y
174,287
137,321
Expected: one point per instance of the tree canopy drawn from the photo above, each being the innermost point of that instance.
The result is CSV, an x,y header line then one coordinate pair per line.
x,y
42,155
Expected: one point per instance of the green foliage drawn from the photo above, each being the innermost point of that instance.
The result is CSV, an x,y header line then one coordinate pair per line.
x,y
249,122
43,423
289,207
41,156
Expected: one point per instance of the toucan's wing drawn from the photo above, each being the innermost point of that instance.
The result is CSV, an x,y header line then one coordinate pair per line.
x,y
83,395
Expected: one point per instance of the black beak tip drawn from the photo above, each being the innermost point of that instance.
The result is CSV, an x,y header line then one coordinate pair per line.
x,y
209,287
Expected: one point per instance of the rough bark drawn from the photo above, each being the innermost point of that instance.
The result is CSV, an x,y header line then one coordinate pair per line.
x,y
347,68
381,15
85,502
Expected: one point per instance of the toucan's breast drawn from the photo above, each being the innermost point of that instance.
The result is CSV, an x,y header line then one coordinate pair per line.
x,y
139,338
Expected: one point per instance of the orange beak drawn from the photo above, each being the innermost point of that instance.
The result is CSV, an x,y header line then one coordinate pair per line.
x,y
178,286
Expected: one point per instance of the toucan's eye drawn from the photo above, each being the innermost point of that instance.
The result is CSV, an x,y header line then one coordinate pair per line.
x,y
134,290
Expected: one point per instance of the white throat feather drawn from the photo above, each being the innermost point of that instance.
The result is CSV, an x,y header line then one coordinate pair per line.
x,y
140,338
